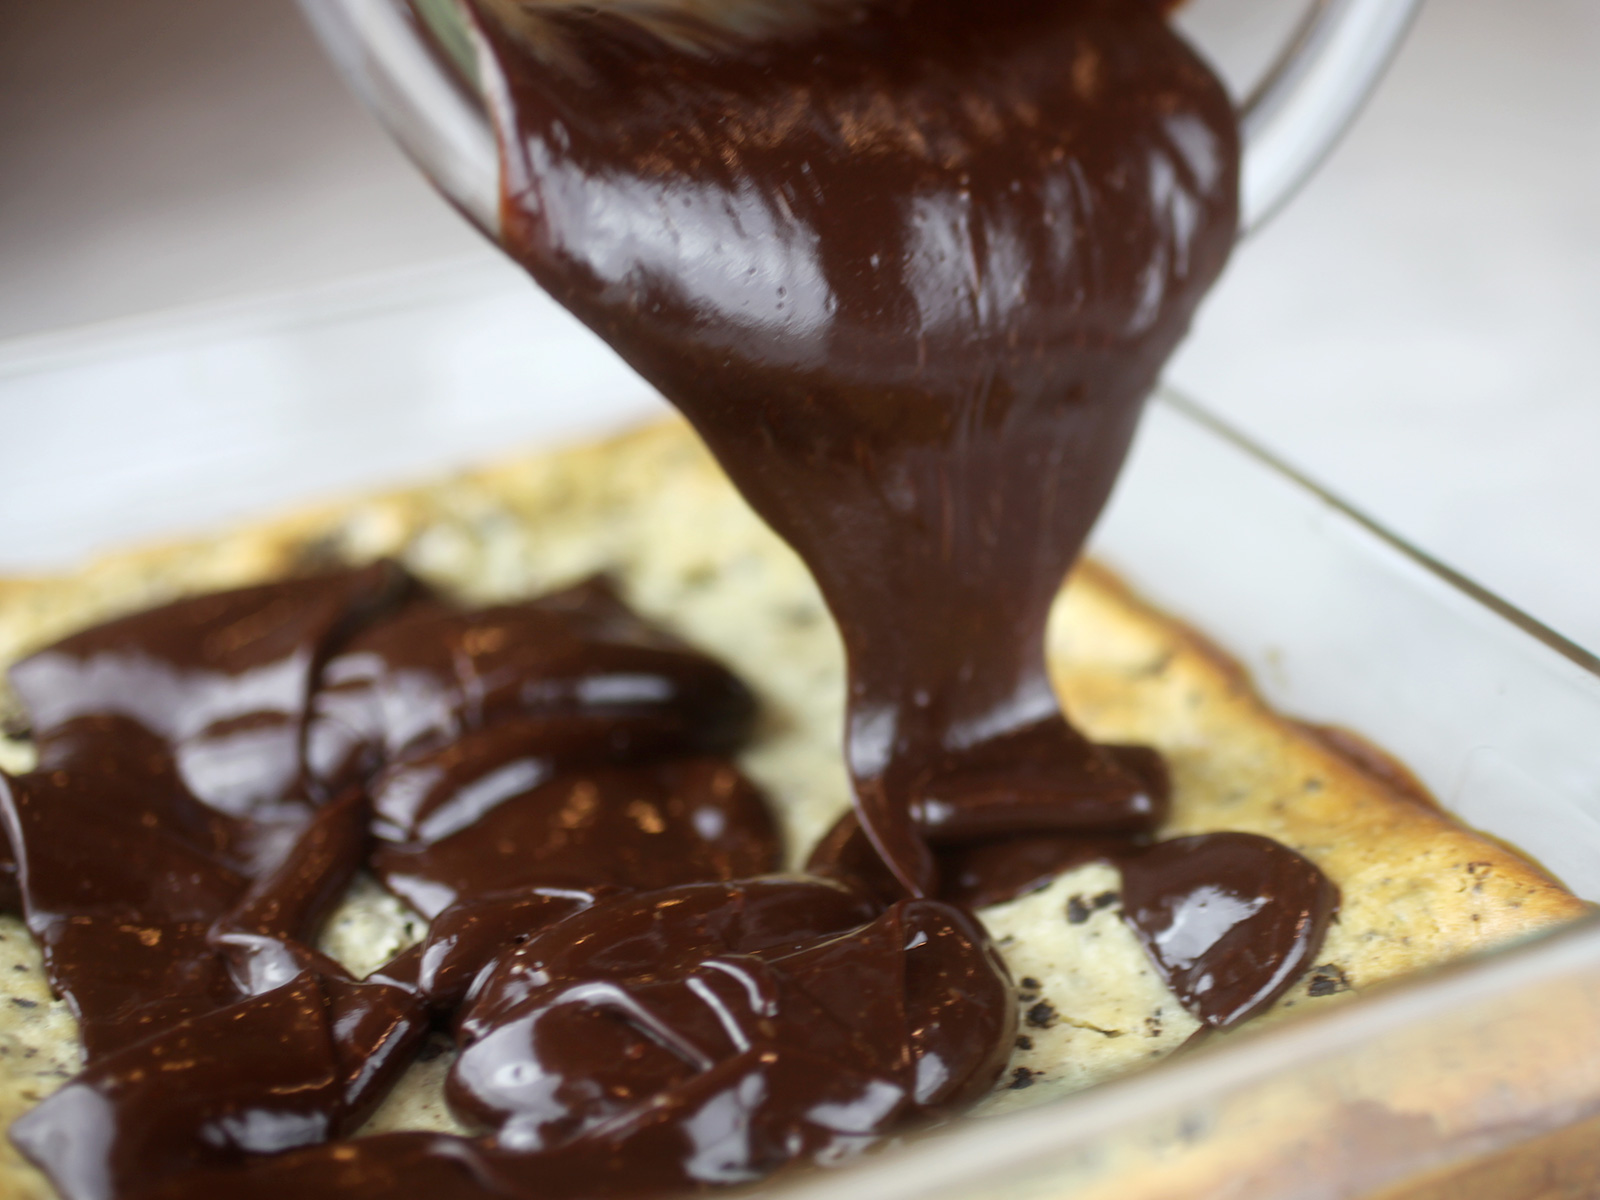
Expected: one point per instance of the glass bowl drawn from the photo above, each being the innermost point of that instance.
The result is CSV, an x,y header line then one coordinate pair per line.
x,y
1300,73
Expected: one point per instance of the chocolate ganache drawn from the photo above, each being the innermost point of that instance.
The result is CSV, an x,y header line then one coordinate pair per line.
x,y
546,781
910,276
910,273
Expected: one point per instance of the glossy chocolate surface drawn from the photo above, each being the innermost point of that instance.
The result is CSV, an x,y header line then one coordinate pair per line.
x,y
503,785
1231,919
624,1007
911,277
643,826
699,1035
579,674
224,679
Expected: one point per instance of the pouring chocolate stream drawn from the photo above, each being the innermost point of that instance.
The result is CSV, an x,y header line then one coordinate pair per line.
x,y
911,276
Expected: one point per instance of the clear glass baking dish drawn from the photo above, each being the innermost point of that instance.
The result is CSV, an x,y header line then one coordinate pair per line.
x,y
1482,1079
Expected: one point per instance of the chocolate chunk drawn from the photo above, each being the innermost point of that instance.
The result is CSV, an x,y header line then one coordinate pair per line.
x,y
1081,908
1327,980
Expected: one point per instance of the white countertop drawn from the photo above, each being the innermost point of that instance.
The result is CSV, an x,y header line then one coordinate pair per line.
x,y
1412,332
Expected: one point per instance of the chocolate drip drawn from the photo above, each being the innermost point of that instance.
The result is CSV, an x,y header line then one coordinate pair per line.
x,y
262,938
155,905
640,996
470,935
10,895
493,741
994,872
997,838
122,873
910,275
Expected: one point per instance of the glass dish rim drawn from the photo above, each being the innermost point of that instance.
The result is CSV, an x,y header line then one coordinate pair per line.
x,y
1202,415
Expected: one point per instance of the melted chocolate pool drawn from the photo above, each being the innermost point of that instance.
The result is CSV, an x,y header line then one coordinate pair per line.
x,y
620,974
